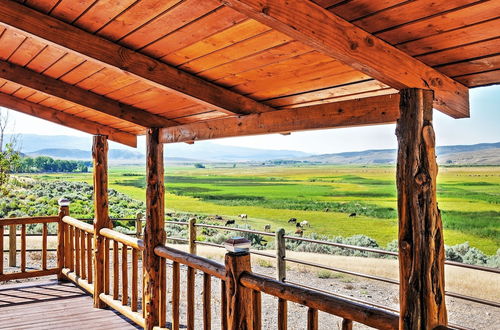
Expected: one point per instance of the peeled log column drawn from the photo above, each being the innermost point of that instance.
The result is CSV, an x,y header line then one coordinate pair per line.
x,y
101,218
154,233
421,247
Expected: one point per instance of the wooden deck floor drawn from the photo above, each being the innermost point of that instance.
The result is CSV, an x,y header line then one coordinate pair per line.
x,y
53,305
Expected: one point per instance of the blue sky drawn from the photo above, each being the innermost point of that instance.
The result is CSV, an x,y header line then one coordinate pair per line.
x,y
483,126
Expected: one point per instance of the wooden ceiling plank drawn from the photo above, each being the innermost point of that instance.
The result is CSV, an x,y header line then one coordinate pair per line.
x,y
407,12
67,120
472,66
171,20
77,95
70,10
203,28
245,30
454,38
327,93
355,9
330,34
437,24
102,13
236,51
26,52
481,79
46,58
367,111
10,41
461,53
112,55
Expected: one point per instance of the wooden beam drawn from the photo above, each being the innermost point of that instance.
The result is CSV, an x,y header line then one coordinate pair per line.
x,y
421,244
65,119
60,89
322,30
101,217
109,54
154,233
368,111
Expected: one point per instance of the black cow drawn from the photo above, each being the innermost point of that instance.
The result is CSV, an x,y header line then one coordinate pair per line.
x,y
292,220
230,222
352,214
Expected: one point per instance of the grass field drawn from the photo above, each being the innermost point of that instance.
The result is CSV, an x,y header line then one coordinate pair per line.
x,y
469,198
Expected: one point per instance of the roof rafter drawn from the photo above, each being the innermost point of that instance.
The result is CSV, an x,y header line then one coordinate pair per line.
x,y
109,54
66,119
322,30
60,89
367,111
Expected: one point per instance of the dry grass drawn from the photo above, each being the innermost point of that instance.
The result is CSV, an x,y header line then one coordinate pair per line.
x,y
469,282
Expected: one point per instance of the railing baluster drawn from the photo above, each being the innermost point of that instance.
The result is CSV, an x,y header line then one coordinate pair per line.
x,y
346,324
257,310
176,279
223,305
106,265
71,248
77,251
191,272
83,271
163,292
44,246
207,309
135,262
124,275
312,319
1,250
23,248
89,259
115,270
282,314
67,255
12,245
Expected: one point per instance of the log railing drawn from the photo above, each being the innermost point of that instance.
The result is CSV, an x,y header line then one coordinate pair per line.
x,y
25,270
120,245
78,252
241,296
193,263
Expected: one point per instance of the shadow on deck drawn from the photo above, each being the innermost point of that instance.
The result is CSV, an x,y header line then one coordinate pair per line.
x,y
53,305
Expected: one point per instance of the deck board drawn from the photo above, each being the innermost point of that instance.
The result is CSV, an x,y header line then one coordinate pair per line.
x,y
53,305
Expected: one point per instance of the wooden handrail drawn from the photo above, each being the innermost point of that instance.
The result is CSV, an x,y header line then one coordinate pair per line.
x,y
368,315
205,265
133,242
79,224
27,220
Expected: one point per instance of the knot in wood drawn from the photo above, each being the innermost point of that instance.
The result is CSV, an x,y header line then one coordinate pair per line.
x,y
369,41
265,10
421,178
404,246
353,45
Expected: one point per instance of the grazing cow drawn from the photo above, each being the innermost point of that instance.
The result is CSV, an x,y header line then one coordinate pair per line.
x,y
243,216
292,220
299,232
298,225
267,228
352,214
327,210
230,222
218,217
305,223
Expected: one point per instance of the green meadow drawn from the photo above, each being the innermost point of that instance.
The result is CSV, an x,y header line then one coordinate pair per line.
x,y
325,196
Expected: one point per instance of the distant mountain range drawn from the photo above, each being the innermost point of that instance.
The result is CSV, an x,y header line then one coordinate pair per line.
x,y
476,154
79,148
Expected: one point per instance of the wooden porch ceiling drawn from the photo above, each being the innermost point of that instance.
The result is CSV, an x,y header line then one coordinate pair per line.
x,y
122,66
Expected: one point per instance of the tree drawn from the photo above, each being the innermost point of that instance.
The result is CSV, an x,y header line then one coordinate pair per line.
x,y
199,165
9,155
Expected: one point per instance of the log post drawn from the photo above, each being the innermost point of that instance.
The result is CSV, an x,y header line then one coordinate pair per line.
x,y
280,255
240,304
101,218
138,225
12,246
192,235
154,233
421,245
61,228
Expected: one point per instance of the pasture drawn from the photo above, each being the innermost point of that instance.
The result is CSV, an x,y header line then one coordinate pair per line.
x,y
325,196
